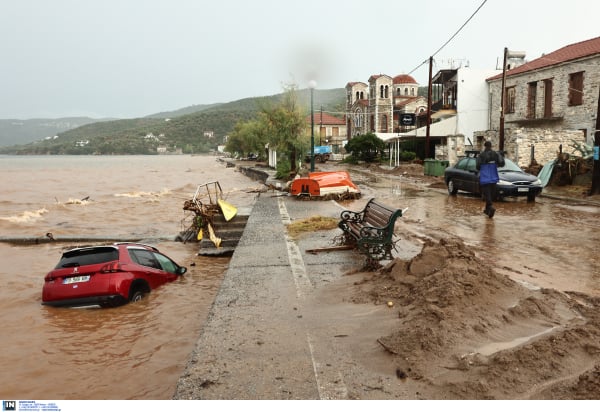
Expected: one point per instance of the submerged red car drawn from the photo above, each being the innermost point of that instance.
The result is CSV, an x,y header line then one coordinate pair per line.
x,y
109,275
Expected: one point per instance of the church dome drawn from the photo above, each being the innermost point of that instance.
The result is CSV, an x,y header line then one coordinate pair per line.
x,y
404,79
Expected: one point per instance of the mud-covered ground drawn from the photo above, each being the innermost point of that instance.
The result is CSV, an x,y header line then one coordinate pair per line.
x,y
467,332
451,305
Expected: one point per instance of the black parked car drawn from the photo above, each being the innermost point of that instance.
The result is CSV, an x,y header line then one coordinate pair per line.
x,y
514,182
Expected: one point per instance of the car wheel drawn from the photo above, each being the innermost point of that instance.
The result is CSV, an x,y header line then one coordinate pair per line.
x,y
452,190
137,296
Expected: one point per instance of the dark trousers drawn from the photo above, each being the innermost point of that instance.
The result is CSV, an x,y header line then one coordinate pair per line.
x,y
489,193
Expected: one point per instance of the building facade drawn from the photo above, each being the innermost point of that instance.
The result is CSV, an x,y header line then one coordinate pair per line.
x,y
548,102
377,106
328,131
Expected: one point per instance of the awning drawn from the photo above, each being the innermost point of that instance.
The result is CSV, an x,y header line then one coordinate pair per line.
x,y
446,127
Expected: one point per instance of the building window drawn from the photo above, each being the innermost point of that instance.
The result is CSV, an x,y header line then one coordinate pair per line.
x,y
398,90
406,91
531,99
576,89
548,98
381,91
387,91
509,103
372,123
384,123
357,95
412,91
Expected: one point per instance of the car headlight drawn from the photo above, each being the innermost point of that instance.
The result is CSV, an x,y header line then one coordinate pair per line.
x,y
538,182
504,183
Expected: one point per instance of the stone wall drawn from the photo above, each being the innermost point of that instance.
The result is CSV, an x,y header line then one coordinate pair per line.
x,y
564,116
518,143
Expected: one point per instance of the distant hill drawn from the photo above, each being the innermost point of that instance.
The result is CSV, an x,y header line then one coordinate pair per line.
x,y
180,130
182,112
14,131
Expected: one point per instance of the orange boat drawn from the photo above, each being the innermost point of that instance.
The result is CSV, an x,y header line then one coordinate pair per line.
x,y
322,184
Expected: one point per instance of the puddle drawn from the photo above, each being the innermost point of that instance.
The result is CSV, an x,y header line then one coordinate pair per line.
x,y
494,347
580,208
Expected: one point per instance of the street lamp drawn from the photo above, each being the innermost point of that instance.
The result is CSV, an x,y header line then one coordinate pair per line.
x,y
507,55
311,85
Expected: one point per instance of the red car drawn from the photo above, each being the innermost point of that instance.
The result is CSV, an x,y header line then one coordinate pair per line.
x,y
108,276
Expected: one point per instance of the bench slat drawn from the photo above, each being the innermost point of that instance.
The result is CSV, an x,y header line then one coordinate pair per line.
x,y
378,221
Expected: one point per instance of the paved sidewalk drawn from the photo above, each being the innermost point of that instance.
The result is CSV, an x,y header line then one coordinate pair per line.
x,y
260,340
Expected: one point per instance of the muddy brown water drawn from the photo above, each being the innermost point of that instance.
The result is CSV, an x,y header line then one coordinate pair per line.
x,y
136,351
550,243
139,351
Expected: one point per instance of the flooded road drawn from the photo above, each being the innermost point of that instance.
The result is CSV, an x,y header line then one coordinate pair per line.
x,y
551,243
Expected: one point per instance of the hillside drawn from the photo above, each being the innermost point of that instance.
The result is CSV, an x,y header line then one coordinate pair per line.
x,y
178,130
15,131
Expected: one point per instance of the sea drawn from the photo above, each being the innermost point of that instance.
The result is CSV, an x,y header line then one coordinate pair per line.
x,y
136,351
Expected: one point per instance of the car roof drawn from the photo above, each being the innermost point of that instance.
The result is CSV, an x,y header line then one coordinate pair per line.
x,y
129,245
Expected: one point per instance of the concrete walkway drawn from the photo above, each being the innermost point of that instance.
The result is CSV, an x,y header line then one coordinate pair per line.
x,y
260,341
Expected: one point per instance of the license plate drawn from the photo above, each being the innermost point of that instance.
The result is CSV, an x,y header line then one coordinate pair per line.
x,y
76,279
523,189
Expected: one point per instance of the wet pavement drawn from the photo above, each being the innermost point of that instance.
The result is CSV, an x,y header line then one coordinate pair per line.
x,y
269,335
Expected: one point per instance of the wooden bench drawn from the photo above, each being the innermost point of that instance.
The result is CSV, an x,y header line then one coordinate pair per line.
x,y
371,230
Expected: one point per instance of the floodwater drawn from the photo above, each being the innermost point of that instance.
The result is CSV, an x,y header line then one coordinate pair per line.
x,y
136,351
551,243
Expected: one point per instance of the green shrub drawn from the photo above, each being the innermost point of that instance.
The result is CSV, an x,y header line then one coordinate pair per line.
x,y
283,169
407,156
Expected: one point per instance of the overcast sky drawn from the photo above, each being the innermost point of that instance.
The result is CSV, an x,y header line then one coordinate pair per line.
x,y
132,58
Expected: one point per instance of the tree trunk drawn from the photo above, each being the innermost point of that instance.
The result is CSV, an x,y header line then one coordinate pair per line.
x,y
293,159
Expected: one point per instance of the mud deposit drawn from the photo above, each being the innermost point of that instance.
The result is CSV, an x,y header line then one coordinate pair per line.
x,y
467,332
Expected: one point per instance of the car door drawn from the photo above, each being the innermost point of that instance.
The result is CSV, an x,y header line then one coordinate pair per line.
x,y
465,174
471,175
152,270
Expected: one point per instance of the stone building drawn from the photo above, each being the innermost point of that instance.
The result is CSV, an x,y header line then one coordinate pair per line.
x,y
549,102
377,106
329,131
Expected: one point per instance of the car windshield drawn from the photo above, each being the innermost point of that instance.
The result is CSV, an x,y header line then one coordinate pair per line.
x,y
509,166
92,256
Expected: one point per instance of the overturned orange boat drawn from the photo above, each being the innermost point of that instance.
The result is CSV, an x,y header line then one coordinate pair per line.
x,y
326,185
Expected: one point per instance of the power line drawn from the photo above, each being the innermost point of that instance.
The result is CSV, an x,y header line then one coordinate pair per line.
x,y
453,36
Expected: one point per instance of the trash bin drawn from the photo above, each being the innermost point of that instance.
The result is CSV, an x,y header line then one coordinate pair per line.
x,y
435,167
427,167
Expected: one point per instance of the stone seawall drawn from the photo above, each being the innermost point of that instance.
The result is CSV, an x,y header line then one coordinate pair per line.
x,y
252,170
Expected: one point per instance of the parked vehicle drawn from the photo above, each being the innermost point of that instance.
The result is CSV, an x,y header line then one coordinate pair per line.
x,y
109,275
322,154
514,182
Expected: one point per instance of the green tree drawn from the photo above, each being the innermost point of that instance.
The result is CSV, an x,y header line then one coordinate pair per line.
x,y
248,137
365,147
286,126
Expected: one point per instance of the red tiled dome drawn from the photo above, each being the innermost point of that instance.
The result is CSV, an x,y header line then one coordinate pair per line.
x,y
404,79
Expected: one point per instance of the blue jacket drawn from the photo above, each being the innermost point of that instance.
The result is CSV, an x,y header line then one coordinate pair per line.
x,y
487,164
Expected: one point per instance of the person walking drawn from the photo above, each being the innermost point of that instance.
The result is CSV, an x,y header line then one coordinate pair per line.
x,y
487,164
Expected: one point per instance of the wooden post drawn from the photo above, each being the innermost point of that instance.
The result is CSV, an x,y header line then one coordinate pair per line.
x,y
428,110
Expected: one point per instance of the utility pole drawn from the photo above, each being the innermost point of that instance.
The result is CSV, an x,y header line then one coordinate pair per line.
x,y
321,128
428,109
